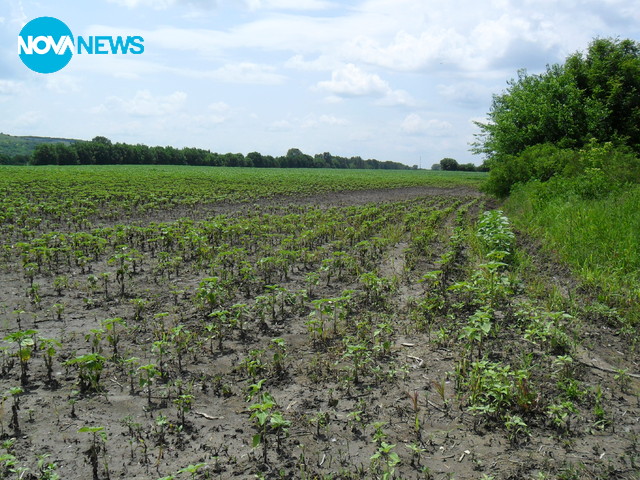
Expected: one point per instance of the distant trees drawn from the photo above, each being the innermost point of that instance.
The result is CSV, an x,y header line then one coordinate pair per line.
x,y
19,159
101,151
452,165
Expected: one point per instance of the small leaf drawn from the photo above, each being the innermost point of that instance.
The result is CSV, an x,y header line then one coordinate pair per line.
x,y
90,429
257,440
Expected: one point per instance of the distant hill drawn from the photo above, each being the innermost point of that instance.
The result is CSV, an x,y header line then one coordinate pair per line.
x,y
11,146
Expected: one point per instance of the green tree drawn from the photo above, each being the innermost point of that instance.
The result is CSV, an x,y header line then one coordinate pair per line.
x,y
45,154
593,96
449,164
101,139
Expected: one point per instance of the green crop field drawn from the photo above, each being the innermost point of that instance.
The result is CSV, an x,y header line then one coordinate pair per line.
x,y
198,322
160,186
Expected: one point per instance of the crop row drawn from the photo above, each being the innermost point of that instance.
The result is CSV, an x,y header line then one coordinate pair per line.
x,y
287,329
51,198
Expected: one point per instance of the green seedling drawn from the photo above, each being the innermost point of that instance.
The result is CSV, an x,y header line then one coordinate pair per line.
x,y
385,460
146,375
97,449
15,393
112,327
48,346
25,343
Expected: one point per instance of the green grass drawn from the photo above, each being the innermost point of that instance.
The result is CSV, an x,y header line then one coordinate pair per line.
x,y
598,238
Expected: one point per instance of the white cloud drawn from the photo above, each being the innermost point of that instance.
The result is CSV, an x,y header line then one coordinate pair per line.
x,y
414,124
219,107
332,120
464,93
157,4
18,17
247,72
280,126
135,67
409,52
252,5
351,81
28,119
288,4
321,64
144,104
10,87
61,83
312,121
396,98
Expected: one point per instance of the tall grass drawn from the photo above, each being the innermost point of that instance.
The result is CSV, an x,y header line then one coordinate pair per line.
x,y
598,238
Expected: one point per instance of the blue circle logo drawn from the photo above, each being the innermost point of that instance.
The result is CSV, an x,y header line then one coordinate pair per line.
x,y
45,45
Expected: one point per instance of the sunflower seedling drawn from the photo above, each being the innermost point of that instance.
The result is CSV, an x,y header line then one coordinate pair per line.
x,y
89,368
269,422
97,449
25,343
14,393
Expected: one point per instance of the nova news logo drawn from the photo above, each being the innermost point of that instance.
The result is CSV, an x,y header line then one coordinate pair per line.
x,y
46,45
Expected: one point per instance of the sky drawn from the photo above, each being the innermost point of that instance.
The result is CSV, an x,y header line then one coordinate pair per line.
x,y
400,80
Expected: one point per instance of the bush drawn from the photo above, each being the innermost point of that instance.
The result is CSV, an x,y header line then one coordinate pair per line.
x,y
592,172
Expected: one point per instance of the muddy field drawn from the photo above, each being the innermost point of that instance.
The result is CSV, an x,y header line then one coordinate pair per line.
x,y
371,334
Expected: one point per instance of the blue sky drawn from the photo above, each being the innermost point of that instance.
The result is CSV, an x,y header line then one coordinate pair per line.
x,y
399,80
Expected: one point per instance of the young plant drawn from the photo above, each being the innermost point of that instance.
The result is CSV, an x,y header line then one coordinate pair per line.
x,y
269,423
211,293
105,283
46,469
183,404
478,328
279,348
146,375
623,379
89,368
48,346
123,262
139,307
112,327
132,364
517,429
385,460
59,309
25,343
192,469
413,397
97,449
602,419
181,341
219,326
60,283
560,415
15,393
359,355
416,453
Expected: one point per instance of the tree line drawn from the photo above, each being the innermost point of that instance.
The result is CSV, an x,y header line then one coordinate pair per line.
x,y
101,151
452,165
